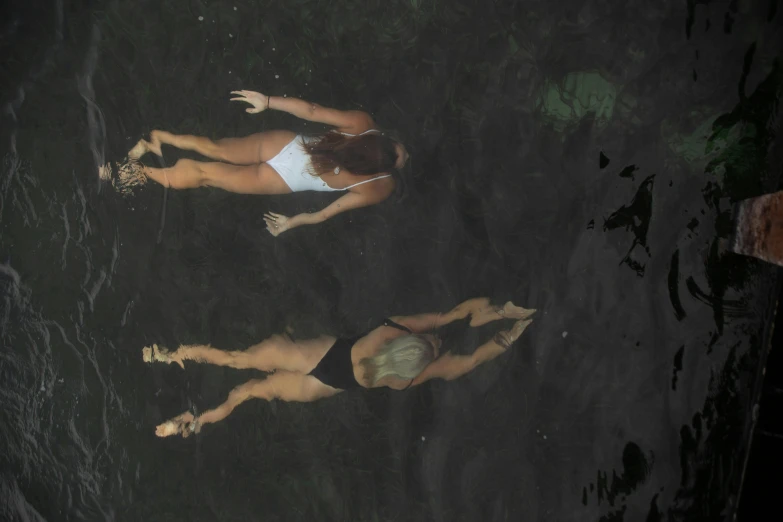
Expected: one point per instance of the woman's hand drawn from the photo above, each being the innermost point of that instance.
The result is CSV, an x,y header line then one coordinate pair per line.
x,y
512,311
260,102
506,338
276,224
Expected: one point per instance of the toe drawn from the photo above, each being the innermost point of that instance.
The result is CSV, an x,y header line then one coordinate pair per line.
x,y
104,172
156,353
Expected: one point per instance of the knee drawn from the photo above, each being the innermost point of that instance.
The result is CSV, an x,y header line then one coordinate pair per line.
x,y
217,150
247,391
194,168
238,395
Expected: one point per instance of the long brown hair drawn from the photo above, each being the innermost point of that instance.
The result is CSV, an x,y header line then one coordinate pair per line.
x,y
366,154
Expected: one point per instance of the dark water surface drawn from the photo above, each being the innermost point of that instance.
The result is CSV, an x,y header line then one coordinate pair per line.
x,y
579,157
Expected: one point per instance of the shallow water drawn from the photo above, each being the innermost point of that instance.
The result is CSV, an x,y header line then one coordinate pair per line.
x,y
580,158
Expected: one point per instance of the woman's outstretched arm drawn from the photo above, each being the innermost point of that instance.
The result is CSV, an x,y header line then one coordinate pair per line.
x,y
482,312
450,367
276,224
478,309
352,122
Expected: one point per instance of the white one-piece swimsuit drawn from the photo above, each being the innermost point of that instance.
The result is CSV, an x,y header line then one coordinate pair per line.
x,y
294,166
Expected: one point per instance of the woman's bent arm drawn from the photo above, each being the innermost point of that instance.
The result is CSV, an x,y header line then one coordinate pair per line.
x,y
450,367
277,224
352,122
478,309
420,323
482,312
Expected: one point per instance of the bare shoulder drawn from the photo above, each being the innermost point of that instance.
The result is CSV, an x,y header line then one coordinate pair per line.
x,y
357,122
378,187
369,345
447,367
403,320
421,323
351,122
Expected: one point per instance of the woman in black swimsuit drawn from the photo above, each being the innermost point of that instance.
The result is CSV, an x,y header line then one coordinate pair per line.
x,y
397,354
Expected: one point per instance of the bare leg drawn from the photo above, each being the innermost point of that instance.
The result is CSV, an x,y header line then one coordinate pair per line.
x,y
275,353
253,149
286,386
187,173
178,425
153,353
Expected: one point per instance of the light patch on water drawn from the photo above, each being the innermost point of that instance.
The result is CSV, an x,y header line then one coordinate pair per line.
x,y
96,135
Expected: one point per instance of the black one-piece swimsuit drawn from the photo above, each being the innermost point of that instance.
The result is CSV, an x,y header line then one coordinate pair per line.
x,y
335,369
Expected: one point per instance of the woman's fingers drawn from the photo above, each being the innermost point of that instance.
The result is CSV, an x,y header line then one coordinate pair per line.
x,y
246,93
272,227
519,327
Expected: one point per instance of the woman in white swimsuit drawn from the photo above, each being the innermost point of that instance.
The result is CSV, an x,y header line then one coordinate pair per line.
x,y
355,158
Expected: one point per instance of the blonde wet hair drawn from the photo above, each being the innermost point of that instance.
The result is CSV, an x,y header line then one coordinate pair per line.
x,y
404,357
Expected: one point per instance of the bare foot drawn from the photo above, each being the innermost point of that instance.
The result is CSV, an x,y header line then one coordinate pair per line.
x,y
150,354
143,146
104,172
179,425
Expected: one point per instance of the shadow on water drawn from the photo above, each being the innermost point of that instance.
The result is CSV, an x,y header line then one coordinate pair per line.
x,y
628,398
636,218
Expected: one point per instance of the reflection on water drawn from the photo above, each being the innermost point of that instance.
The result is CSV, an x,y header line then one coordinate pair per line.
x,y
637,413
635,470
